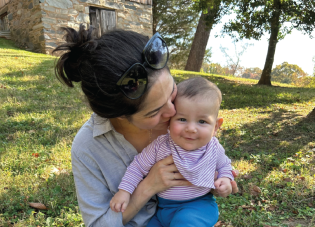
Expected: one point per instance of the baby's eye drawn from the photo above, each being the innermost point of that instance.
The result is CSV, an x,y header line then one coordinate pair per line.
x,y
182,119
202,122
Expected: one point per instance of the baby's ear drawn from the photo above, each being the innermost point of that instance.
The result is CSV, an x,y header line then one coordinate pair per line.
x,y
218,123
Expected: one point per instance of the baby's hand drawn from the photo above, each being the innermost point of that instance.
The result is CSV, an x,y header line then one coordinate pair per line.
x,y
120,201
223,186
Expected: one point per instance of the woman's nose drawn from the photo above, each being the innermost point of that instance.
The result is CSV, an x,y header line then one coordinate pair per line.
x,y
169,110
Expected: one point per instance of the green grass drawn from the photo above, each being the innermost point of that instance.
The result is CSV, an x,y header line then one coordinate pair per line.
x,y
265,132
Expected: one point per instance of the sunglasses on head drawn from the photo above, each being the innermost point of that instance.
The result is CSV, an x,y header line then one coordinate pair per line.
x,y
133,83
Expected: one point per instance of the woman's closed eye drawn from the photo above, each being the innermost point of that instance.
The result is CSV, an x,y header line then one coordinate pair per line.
x,y
153,115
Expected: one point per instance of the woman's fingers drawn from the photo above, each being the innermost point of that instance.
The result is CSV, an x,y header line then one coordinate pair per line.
x,y
234,187
216,175
178,176
180,183
167,161
235,172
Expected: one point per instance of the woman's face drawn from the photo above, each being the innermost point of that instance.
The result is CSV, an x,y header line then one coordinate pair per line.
x,y
158,107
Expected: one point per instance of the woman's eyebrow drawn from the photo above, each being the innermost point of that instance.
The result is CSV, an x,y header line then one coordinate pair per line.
x,y
157,109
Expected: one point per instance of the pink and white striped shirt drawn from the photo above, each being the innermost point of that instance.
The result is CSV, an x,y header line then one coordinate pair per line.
x,y
197,166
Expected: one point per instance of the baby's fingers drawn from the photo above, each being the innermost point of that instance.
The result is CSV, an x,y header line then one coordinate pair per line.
x,y
112,205
124,206
117,207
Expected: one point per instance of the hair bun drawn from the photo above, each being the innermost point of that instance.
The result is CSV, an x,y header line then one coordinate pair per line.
x,y
78,43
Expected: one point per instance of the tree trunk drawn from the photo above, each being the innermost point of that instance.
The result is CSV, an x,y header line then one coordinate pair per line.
x,y
311,114
154,10
199,45
265,78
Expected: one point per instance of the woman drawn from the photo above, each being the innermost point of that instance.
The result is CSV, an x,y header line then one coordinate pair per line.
x,y
124,121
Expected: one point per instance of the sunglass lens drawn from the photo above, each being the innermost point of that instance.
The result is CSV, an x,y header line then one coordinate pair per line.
x,y
156,53
135,82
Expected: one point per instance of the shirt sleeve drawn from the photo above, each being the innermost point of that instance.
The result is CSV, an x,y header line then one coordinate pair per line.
x,y
139,167
93,193
224,166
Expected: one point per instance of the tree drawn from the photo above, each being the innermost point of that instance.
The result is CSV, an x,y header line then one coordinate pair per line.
x,y
211,13
277,17
288,73
252,73
175,21
234,61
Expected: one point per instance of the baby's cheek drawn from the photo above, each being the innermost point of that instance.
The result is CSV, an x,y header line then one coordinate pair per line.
x,y
174,128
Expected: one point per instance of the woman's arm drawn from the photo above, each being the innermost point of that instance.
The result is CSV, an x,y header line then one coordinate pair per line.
x,y
161,177
92,193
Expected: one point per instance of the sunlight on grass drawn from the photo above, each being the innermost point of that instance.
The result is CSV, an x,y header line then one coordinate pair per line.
x,y
265,133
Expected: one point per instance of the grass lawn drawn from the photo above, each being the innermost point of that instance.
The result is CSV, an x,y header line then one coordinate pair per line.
x,y
265,133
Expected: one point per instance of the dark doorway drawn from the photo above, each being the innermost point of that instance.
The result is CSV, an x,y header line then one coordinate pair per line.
x,y
4,23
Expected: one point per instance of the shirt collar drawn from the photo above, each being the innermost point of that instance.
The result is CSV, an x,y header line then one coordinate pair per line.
x,y
101,125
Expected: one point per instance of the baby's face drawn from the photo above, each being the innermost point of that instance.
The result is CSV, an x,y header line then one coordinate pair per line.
x,y
195,122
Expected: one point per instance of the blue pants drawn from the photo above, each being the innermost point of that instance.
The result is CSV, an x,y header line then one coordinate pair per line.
x,y
199,212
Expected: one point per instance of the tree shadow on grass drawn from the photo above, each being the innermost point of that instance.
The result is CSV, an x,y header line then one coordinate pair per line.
x,y
56,192
239,95
270,141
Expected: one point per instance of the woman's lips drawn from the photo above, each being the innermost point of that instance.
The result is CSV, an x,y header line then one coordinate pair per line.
x,y
166,122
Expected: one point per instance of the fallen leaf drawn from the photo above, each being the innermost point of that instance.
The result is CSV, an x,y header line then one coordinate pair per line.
x,y
291,219
31,131
247,176
254,190
295,212
275,133
35,155
59,171
302,178
39,206
287,179
285,170
272,208
218,224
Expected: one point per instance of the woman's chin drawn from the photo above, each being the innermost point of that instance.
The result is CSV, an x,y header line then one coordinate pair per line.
x,y
162,126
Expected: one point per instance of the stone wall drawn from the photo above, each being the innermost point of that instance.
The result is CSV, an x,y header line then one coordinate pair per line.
x,y
61,13
24,19
35,24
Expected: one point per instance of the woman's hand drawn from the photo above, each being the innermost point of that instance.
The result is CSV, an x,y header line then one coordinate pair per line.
x,y
164,175
233,183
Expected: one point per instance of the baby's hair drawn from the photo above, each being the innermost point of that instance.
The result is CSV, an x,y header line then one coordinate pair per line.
x,y
201,87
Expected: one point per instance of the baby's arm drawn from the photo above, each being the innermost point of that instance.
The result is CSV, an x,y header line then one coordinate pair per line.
x,y
225,176
120,201
223,186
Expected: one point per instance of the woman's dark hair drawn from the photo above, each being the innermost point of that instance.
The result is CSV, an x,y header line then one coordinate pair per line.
x,y
98,64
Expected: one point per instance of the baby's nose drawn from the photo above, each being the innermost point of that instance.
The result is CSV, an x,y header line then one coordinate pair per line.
x,y
191,128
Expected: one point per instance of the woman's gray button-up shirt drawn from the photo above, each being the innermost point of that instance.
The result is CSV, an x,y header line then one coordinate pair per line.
x,y
100,157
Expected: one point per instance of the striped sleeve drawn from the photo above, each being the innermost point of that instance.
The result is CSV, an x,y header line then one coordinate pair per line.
x,y
139,167
224,166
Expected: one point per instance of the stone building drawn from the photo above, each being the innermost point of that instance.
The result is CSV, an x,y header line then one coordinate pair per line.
x,y
34,24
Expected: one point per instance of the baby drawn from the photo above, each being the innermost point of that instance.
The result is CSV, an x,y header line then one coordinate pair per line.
x,y
197,155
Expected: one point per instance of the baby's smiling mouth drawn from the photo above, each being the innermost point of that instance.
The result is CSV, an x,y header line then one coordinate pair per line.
x,y
188,138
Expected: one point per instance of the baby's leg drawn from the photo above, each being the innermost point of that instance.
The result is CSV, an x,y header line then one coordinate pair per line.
x,y
202,212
